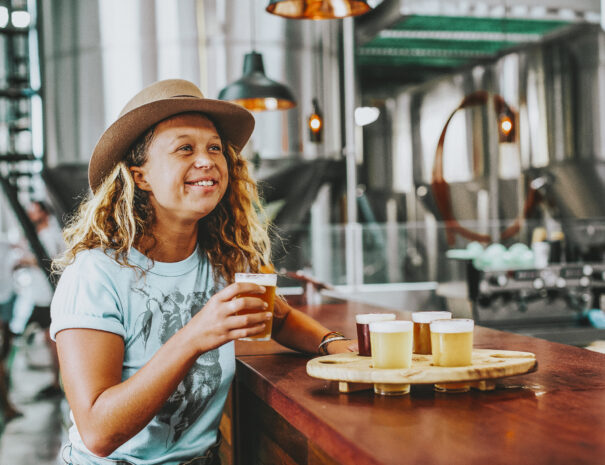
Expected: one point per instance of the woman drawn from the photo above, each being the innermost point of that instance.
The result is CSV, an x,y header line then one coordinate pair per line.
x,y
143,318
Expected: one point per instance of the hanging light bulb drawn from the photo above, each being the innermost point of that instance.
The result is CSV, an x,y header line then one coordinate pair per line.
x,y
316,123
507,121
506,127
317,9
255,91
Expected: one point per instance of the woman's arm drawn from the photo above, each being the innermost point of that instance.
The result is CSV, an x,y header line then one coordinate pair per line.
x,y
296,330
108,411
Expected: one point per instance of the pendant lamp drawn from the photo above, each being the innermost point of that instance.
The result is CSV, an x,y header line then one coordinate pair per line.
x,y
317,9
255,91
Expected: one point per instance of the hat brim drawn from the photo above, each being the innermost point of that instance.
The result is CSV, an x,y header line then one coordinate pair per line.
x,y
233,122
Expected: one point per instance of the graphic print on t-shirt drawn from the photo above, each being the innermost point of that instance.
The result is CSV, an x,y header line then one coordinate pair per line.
x,y
163,317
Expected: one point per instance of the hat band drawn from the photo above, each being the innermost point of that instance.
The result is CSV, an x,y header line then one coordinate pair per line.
x,y
177,96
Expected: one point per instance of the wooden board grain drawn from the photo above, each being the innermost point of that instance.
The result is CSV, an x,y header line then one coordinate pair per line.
x,y
487,364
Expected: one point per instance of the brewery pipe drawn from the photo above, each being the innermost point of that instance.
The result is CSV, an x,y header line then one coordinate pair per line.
x,y
354,258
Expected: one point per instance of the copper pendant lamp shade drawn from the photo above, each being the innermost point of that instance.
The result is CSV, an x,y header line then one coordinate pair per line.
x,y
318,9
255,91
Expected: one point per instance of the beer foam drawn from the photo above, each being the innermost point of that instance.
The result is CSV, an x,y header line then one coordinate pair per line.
x,y
367,318
262,279
456,325
427,317
395,326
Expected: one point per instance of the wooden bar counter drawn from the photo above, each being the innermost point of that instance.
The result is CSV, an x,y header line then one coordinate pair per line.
x,y
277,414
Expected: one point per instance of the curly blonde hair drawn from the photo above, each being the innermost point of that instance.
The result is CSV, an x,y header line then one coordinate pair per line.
x,y
119,215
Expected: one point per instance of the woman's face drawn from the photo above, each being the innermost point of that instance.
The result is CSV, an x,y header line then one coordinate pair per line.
x,y
186,173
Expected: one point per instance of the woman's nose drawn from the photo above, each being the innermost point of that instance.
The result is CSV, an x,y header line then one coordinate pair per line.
x,y
203,161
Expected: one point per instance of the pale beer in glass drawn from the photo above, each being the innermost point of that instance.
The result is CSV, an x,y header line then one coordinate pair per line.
x,y
391,348
363,329
452,346
422,329
269,281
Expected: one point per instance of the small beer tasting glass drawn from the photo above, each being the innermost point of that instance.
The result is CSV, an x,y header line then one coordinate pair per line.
x,y
452,346
363,329
391,348
422,330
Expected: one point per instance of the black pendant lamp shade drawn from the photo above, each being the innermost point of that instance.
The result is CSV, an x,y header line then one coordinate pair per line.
x,y
255,91
318,9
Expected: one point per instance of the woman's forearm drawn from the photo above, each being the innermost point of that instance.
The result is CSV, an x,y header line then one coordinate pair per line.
x,y
296,330
300,332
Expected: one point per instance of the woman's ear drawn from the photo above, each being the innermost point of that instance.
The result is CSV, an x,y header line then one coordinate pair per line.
x,y
138,174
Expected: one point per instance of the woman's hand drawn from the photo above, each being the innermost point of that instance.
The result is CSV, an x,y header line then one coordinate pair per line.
x,y
218,322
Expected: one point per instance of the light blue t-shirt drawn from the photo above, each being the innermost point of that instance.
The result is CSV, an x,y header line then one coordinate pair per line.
x,y
96,292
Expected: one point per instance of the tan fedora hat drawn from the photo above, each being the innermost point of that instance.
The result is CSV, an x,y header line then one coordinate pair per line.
x,y
155,103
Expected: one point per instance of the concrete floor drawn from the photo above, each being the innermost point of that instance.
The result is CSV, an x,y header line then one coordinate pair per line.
x,y
36,437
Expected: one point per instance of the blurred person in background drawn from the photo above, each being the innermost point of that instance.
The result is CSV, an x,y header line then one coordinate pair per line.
x,y
7,301
36,282
47,228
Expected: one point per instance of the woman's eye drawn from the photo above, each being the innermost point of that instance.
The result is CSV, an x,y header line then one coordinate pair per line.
x,y
186,148
216,148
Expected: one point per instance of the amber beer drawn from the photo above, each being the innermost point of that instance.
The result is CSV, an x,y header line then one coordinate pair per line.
x,y
422,329
391,348
363,329
269,281
452,346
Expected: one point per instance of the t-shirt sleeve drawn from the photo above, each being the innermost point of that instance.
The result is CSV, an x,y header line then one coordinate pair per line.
x,y
87,296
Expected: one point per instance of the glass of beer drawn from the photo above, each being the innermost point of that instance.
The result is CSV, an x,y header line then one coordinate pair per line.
x,y
422,329
269,281
452,346
391,348
363,329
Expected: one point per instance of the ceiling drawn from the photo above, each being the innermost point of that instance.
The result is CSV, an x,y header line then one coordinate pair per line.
x,y
414,48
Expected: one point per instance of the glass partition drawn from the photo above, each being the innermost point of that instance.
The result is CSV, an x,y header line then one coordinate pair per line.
x,y
420,253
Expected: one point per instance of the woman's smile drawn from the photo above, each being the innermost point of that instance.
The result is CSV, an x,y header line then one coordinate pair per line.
x,y
208,184
202,183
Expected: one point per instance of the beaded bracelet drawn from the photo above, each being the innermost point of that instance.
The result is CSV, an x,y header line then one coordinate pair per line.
x,y
332,336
